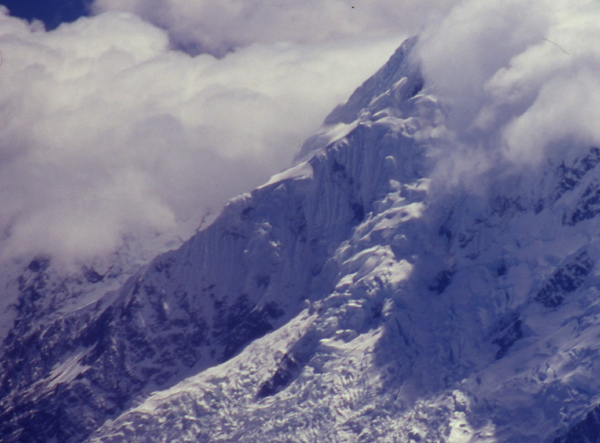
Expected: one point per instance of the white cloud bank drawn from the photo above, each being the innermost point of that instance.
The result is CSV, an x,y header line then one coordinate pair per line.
x,y
520,77
218,26
106,130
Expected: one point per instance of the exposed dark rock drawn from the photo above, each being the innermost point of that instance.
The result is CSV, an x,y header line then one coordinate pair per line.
x,y
242,323
508,336
568,278
286,372
570,177
39,264
587,207
586,431
441,281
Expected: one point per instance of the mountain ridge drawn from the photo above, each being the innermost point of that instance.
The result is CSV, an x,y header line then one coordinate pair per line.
x,y
351,298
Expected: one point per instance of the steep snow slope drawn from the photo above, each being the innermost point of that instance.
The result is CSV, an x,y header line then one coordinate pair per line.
x,y
247,274
439,315
351,298
411,312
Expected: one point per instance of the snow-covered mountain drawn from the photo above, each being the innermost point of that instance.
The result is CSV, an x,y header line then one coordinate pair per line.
x,y
352,298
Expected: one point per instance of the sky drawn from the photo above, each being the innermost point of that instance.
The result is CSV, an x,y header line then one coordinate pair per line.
x,y
52,13
144,116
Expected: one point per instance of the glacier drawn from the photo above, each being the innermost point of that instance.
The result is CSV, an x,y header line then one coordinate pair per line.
x,y
356,297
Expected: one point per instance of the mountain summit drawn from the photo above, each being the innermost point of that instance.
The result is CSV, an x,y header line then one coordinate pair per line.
x,y
352,298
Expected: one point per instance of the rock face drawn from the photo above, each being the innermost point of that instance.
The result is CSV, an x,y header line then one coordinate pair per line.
x,y
351,298
587,430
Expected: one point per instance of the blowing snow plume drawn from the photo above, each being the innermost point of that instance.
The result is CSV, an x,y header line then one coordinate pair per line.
x,y
105,130
520,79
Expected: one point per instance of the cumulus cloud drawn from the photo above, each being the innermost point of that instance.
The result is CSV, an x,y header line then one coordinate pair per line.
x,y
518,77
219,26
106,130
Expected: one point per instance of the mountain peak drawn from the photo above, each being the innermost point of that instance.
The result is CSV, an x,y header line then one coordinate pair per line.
x,y
370,95
341,301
